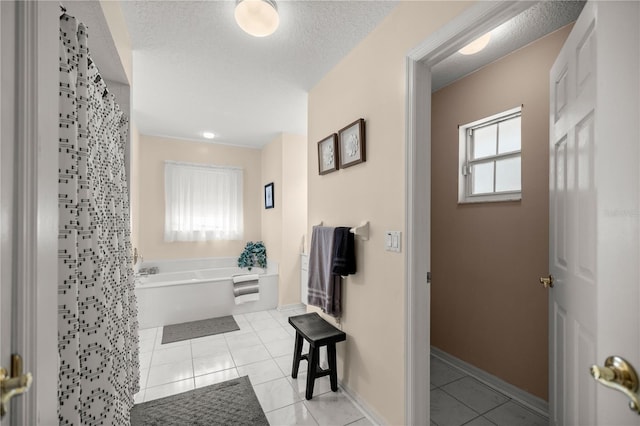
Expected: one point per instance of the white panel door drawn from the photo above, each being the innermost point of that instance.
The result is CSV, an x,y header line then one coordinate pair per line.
x,y
594,213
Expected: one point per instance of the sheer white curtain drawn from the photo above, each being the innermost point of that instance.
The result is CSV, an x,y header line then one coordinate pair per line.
x,y
97,314
203,202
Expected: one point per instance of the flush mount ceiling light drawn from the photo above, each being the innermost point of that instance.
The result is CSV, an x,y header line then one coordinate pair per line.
x,y
257,17
476,45
208,135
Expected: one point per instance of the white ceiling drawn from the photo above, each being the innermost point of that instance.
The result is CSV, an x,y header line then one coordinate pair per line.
x,y
195,70
539,20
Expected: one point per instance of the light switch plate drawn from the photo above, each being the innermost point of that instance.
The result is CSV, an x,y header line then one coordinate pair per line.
x,y
393,241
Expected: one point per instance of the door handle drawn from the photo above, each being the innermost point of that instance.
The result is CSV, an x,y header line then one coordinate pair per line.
x,y
16,384
620,375
547,282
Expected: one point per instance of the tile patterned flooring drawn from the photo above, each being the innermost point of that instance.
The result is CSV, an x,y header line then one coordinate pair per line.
x,y
261,349
459,399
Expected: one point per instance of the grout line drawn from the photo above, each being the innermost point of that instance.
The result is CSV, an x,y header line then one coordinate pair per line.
x,y
304,402
286,372
523,398
193,365
356,420
509,399
471,408
462,402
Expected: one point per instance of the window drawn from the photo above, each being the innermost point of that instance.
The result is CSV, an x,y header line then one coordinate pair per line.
x,y
202,202
490,159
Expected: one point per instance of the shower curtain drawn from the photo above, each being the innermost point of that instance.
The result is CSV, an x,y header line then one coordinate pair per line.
x,y
97,314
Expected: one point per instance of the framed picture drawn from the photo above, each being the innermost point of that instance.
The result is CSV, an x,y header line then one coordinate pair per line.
x,y
269,199
352,144
328,154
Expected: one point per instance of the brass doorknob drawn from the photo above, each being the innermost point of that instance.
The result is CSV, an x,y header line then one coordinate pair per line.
x,y
547,282
618,374
16,384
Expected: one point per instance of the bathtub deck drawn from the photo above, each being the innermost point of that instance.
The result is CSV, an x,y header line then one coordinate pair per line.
x,y
161,304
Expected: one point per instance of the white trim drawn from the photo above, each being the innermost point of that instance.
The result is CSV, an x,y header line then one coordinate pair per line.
x,y
473,22
290,307
465,163
466,27
417,291
35,322
495,118
372,415
530,401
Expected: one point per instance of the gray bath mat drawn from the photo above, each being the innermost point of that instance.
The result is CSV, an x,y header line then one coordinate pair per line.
x,y
228,403
195,329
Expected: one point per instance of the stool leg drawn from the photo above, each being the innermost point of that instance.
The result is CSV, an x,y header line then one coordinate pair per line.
x,y
333,375
297,355
312,369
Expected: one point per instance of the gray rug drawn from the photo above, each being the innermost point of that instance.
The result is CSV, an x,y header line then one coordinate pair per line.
x,y
228,403
195,329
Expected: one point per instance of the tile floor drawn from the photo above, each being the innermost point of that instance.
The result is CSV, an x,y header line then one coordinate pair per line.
x,y
261,349
459,399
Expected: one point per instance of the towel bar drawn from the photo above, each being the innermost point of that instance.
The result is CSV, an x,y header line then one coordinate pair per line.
x,y
361,231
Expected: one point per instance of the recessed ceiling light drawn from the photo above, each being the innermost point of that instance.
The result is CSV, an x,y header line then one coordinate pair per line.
x,y
476,45
208,135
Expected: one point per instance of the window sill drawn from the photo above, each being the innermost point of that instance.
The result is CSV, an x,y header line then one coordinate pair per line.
x,y
492,199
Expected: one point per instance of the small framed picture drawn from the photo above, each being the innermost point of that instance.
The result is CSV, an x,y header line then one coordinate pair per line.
x,y
328,154
268,196
352,144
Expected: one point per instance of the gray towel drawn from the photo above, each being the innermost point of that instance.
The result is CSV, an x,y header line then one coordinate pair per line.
x,y
325,289
246,288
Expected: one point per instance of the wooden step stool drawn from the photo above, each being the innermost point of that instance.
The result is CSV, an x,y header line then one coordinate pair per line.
x,y
318,333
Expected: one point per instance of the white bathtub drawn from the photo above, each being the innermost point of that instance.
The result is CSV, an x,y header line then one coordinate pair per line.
x,y
195,289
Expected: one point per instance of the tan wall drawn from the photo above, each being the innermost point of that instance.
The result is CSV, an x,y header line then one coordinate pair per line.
x,y
284,164
135,187
120,34
370,83
487,307
153,152
294,215
272,218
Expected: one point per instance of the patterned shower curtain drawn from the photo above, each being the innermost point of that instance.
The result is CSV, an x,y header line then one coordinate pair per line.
x,y
97,313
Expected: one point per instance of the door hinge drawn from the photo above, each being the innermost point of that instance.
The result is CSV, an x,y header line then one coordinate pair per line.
x,y
465,170
428,277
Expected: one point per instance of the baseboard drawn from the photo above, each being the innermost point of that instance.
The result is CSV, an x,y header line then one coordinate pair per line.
x,y
532,402
291,307
371,414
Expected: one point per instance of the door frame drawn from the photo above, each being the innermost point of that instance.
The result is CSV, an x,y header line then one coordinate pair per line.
x,y
34,222
466,27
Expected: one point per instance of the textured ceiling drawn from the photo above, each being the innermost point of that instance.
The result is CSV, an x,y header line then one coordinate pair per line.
x,y
535,22
195,70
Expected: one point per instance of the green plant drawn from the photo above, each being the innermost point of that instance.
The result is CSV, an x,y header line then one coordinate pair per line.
x,y
253,253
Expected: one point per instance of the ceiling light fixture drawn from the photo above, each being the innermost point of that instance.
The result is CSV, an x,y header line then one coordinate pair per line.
x,y
476,45
257,17
208,135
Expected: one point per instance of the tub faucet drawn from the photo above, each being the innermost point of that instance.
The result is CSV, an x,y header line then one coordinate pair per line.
x,y
153,270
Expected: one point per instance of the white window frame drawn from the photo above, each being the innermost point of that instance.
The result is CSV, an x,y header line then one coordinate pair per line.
x,y
464,166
